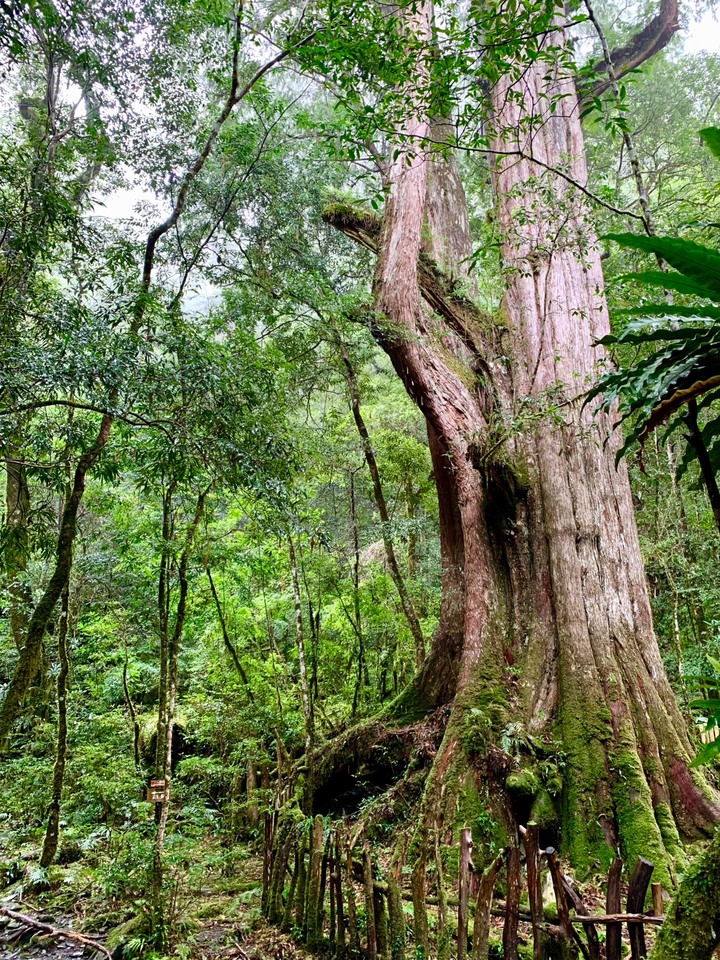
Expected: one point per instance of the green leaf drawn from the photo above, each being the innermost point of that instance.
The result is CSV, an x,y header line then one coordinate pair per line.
x,y
665,310
671,281
693,260
715,664
711,139
705,704
707,754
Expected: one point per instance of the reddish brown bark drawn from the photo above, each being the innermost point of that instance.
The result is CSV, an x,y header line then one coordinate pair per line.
x,y
616,711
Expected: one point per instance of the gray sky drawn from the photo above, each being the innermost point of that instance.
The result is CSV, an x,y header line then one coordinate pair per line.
x,y
704,33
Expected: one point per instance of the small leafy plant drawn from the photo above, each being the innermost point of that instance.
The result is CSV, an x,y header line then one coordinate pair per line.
x,y
711,709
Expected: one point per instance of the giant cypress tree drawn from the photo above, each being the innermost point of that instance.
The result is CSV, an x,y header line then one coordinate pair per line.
x,y
546,629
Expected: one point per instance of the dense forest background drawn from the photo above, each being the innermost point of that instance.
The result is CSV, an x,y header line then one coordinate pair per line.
x,y
221,538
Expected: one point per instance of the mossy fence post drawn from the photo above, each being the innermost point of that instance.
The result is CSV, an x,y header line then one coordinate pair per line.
x,y
314,928
463,891
483,907
353,935
613,931
369,902
340,909
396,917
512,905
286,924
301,891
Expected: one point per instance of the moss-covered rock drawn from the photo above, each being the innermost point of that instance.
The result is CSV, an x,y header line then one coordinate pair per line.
x,y
119,936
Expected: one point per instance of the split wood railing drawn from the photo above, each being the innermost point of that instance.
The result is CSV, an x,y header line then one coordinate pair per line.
x,y
321,885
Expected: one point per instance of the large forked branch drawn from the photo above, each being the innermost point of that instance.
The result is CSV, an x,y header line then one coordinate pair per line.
x,y
461,314
645,44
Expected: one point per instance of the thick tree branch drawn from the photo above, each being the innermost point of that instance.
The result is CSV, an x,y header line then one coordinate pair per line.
x,y
645,44
461,314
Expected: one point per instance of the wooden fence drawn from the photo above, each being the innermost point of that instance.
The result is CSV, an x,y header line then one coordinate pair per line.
x,y
315,882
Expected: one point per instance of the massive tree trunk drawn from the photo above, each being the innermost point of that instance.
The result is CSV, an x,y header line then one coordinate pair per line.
x,y
546,631
627,779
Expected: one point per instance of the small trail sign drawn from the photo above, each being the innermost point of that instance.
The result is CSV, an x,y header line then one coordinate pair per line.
x,y
156,792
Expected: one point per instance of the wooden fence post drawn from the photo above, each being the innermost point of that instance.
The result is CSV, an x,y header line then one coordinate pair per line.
x,y
301,889
369,903
314,931
658,901
381,922
483,906
396,917
562,904
637,889
590,930
510,931
290,902
613,934
419,900
331,891
267,860
463,891
339,910
532,855
352,904
323,887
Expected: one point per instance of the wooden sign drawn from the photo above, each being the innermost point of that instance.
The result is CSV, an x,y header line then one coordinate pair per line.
x,y
156,792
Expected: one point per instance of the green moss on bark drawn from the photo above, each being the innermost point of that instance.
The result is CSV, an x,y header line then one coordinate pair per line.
x,y
692,927
639,831
584,731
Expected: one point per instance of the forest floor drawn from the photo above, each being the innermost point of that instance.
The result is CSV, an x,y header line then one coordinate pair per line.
x,y
213,941
218,921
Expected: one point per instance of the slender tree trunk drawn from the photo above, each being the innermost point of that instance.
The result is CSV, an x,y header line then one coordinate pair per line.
x,y
163,603
229,646
305,692
159,919
52,832
398,579
695,438
133,715
357,622
251,787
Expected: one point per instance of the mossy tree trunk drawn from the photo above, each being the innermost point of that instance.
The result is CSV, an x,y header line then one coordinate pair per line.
x,y
600,677
546,621
17,509
52,832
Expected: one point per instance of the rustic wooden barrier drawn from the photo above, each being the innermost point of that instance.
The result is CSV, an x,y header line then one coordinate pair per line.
x,y
307,865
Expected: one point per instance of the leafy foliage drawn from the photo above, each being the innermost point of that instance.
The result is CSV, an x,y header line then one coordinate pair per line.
x,y
680,363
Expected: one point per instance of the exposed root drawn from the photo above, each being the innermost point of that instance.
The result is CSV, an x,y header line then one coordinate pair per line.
x,y
49,931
